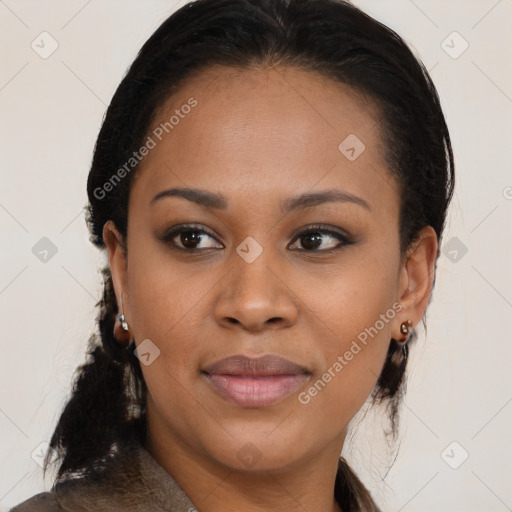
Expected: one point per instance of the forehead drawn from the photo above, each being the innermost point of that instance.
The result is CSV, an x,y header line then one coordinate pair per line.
x,y
273,131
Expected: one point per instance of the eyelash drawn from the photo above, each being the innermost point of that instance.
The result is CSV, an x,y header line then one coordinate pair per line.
x,y
316,228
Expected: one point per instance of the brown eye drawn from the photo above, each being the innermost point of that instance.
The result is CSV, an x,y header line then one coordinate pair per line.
x,y
311,241
318,239
191,238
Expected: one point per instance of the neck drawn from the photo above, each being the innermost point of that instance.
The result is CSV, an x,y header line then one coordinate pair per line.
x,y
305,485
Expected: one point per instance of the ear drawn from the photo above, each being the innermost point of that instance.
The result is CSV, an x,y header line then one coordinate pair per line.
x,y
117,260
417,278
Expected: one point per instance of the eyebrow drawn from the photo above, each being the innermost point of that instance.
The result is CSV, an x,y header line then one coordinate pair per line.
x,y
303,201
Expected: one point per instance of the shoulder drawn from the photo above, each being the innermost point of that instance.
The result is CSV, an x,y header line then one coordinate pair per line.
x,y
132,481
115,487
77,496
42,502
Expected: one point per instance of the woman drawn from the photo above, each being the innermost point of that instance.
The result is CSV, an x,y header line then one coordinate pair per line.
x,y
271,183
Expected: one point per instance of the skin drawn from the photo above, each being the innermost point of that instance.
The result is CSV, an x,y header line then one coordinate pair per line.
x,y
258,137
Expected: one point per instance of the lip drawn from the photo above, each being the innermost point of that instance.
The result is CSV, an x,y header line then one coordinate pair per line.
x,y
255,382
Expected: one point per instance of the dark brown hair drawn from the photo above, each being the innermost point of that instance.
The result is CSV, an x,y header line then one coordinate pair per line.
x,y
332,37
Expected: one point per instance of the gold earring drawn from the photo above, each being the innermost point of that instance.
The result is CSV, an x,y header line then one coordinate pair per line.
x,y
405,329
122,332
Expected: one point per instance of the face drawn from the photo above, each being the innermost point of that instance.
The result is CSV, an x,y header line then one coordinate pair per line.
x,y
282,257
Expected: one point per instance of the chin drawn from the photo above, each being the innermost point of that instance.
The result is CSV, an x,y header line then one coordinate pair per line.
x,y
256,450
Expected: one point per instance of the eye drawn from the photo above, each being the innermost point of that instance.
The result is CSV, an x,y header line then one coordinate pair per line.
x,y
320,239
191,238
314,239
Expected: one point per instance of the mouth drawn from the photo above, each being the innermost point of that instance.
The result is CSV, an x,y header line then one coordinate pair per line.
x,y
255,382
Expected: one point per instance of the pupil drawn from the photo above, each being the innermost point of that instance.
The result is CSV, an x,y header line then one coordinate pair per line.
x,y
315,240
190,238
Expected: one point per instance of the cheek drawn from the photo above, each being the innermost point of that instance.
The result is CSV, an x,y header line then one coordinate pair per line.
x,y
355,313
164,293
166,307
357,328
165,303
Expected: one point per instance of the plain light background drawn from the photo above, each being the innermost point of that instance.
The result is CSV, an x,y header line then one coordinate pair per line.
x,y
455,443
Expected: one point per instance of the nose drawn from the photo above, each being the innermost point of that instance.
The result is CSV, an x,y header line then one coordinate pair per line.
x,y
255,297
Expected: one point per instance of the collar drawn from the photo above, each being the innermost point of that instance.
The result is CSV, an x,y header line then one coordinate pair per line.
x,y
135,481
167,494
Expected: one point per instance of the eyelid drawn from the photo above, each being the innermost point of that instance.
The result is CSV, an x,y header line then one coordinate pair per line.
x,y
325,228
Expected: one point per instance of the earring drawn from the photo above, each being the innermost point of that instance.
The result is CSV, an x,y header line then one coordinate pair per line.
x,y
124,323
405,330
122,332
